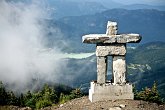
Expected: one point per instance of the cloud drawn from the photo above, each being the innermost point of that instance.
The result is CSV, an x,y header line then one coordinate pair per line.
x,y
24,56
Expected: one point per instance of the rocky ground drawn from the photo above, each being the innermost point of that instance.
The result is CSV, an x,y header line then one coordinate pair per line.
x,y
84,104
14,108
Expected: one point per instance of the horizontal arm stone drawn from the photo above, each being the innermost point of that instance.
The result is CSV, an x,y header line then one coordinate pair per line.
x,y
103,38
95,38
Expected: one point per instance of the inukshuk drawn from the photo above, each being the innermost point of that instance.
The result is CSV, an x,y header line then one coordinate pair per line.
x,y
111,44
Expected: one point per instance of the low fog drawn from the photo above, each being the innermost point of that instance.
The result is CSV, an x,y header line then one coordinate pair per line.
x,y
24,56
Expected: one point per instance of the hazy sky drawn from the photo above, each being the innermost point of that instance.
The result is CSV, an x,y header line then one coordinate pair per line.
x,y
126,2
149,2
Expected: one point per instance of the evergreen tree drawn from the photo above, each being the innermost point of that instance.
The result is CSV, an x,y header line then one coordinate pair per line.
x,y
12,99
3,94
149,94
22,100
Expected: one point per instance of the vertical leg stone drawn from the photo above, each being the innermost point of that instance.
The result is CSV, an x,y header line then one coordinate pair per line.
x,y
101,69
119,70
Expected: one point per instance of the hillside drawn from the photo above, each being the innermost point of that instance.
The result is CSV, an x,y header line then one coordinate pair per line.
x,y
146,64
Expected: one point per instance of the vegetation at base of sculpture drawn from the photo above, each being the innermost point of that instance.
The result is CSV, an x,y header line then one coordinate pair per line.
x,y
47,96
149,94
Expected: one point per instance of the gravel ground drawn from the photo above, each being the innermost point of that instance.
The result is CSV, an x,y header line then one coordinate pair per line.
x,y
84,104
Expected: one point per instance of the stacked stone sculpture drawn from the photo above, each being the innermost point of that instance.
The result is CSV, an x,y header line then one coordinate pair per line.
x,y
111,44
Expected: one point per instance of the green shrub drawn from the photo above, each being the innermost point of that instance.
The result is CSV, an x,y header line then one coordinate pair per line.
x,y
41,99
49,93
149,94
74,94
31,103
64,98
43,103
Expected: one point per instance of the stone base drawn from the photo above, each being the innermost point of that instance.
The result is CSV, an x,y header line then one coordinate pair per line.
x,y
108,91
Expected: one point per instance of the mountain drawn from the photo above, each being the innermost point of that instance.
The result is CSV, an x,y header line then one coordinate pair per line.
x,y
109,4
142,6
149,23
63,8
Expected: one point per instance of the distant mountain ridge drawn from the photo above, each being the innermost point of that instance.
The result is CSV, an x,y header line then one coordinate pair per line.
x,y
149,23
63,8
143,6
110,4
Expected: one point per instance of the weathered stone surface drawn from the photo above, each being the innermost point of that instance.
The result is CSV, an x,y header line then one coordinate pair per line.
x,y
103,38
119,70
115,108
122,105
101,69
112,49
128,38
111,28
108,91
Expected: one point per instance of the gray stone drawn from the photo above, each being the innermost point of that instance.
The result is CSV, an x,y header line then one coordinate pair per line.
x,y
101,69
103,38
128,38
109,91
115,108
25,108
122,105
111,28
61,105
111,49
119,69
